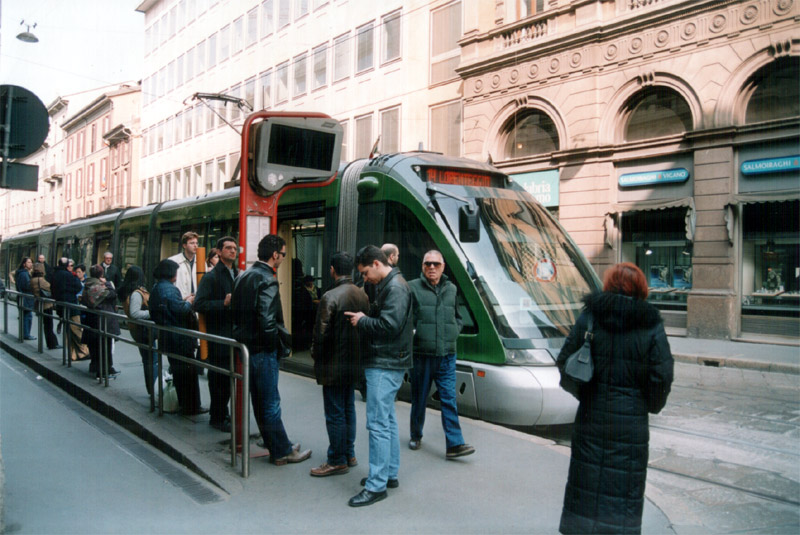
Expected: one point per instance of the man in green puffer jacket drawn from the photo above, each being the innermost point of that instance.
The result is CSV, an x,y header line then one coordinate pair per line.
x,y
437,325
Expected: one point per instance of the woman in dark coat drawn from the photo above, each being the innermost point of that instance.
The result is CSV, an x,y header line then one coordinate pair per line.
x,y
99,294
632,377
22,278
168,309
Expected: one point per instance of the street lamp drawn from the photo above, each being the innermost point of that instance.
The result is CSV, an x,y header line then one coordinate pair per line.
x,y
27,36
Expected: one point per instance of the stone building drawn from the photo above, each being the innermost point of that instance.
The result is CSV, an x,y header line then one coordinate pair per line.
x,y
662,132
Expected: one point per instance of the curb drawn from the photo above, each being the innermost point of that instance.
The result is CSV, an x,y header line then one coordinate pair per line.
x,y
744,364
110,412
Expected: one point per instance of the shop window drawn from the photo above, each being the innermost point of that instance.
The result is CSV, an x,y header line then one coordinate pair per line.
x,y
655,240
775,91
445,33
656,112
771,257
446,129
529,134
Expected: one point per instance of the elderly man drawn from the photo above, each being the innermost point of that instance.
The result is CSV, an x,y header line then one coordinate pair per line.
x,y
111,271
437,323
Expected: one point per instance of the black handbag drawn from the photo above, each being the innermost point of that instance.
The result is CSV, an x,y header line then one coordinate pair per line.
x,y
579,367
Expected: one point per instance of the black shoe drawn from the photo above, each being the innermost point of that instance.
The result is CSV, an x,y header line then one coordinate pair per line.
x,y
54,347
30,338
391,484
460,451
366,497
415,443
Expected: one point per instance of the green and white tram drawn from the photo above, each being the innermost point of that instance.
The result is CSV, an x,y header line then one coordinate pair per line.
x,y
520,276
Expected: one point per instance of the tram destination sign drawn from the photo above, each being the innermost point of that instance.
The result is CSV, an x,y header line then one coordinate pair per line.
x,y
771,165
647,178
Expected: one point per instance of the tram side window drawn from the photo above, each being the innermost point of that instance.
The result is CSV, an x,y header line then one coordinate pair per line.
x,y
132,248
404,230
170,243
218,229
82,254
103,245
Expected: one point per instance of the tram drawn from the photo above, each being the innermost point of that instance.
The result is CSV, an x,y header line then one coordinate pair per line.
x,y
520,277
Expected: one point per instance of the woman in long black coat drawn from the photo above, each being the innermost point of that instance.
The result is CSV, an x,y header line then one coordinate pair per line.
x,y
632,377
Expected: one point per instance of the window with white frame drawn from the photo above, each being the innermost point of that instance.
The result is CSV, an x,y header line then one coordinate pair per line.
x,y
170,84
345,131
267,18
187,124
235,112
446,128
363,136
200,57
284,13
365,37
160,136
299,75
211,119
197,181
237,36
341,57
222,172
250,93
282,82
225,43
177,133
320,66
212,50
179,71
390,130
208,175
445,33
265,90
189,64
390,37
199,126
300,8
168,131
252,27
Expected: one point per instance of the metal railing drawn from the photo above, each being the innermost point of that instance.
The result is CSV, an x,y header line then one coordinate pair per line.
x,y
153,331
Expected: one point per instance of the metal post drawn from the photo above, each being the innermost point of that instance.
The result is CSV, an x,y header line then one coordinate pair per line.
x,y
232,381
160,384
245,358
153,360
20,316
39,305
103,351
5,314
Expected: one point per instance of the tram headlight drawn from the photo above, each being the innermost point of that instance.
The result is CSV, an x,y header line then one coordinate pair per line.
x,y
529,357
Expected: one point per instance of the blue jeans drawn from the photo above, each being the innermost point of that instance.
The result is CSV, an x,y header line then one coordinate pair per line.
x,y
267,403
384,440
340,420
27,322
441,370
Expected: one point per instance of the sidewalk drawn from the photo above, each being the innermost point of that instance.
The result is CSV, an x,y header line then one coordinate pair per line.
x,y
513,484
768,357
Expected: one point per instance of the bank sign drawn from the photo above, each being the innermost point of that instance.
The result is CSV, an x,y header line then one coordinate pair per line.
x,y
771,165
541,184
647,178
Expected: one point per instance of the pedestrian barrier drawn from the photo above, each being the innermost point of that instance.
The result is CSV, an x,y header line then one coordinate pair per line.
x,y
59,313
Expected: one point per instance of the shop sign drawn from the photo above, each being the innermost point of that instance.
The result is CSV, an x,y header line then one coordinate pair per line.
x,y
653,177
771,165
543,185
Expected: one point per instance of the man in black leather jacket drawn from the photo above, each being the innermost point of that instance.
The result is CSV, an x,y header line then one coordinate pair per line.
x,y
258,323
388,329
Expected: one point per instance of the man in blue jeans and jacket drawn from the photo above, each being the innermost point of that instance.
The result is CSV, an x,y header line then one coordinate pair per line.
x,y
258,323
388,331
437,324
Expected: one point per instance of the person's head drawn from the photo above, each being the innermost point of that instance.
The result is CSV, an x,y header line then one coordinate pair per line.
x,y
108,258
627,279
63,262
38,269
372,264
80,270
342,264
40,258
392,253
96,271
166,270
71,265
26,263
228,250
433,266
212,257
189,242
272,250
308,281
134,279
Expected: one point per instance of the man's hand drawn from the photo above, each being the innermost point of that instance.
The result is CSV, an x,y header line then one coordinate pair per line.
x,y
189,298
227,301
354,317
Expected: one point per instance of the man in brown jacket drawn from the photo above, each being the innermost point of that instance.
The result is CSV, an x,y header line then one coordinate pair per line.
x,y
335,348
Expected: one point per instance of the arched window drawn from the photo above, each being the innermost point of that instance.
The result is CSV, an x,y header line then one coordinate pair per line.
x,y
656,112
530,133
775,92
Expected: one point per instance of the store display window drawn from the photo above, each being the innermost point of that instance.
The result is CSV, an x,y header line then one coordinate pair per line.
x,y
771,258
655,241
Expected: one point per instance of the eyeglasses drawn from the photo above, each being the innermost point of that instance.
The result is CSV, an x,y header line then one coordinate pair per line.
x,y
282,253
431,264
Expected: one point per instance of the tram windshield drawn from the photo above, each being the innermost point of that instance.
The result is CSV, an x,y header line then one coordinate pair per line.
x,y
535,279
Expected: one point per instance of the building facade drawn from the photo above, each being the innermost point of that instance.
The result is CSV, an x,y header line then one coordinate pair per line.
x,y
383,69
102,154
664,133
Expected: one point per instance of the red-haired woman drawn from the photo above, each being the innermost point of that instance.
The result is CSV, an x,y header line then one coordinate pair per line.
x,y
632,377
